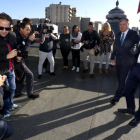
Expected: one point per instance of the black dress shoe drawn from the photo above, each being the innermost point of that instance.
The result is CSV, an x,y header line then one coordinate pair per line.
x,y
33,96
126,111
52,73
113,102
85,70
134,122
92,76
39,76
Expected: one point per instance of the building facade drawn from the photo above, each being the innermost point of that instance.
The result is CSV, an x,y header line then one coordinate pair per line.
x,y
60,13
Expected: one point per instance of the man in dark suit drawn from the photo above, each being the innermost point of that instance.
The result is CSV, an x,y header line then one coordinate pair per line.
x,y
132,84
124,50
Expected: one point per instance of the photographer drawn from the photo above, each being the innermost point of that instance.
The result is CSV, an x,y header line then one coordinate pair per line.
x,y
7,53
75,38
45,50
91,42
6,130
107,38
24,40
53,50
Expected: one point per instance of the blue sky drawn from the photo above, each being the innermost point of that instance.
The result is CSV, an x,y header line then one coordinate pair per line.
x,y
96,9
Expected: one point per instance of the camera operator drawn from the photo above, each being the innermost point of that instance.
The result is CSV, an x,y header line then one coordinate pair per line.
x,y
89,38
45,50
53,50
6,130
7,53
24,40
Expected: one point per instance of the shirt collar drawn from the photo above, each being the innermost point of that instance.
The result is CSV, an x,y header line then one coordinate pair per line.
x,y
22,35
126,31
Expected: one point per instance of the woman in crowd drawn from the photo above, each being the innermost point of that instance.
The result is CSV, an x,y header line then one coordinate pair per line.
x,y
107,38
65,45
75,46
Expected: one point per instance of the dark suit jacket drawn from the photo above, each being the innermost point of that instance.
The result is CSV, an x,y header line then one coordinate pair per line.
x,y
125,54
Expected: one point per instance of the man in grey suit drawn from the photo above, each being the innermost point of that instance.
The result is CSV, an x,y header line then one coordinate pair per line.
x,y
124,50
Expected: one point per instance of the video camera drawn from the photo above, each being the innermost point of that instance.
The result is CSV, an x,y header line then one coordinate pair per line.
x,y
49,30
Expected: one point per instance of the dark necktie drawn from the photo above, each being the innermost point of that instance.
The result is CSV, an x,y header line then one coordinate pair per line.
x,y
122,39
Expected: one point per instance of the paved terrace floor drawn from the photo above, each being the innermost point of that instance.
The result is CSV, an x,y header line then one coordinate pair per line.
x,y
70,108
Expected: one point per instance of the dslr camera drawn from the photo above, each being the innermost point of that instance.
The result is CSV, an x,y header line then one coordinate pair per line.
x,y
74,43
20,53
107,41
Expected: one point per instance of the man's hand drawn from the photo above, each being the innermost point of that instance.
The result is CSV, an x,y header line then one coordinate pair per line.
x,y
32,37
67,40
95,48
12,54
86,42
112,62
2,79
19,59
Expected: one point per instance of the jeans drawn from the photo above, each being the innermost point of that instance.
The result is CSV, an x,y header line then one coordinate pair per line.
x,y
10,81
107,60
6,99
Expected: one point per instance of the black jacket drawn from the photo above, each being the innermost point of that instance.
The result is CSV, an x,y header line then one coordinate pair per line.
x,y
11,40
23,44
86,36
125,54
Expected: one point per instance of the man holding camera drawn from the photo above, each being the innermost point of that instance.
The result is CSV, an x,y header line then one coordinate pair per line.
x,y
45,50
91,41
7,53
24,40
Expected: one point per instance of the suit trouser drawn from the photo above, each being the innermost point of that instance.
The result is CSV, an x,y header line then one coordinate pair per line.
x,y
90,53
132,83
107,60
122,73
28,75
42,57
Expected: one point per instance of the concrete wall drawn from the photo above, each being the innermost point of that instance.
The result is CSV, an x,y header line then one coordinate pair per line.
x,y
34,51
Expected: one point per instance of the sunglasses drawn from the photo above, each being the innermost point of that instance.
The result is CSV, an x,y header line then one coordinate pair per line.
x,y
6,28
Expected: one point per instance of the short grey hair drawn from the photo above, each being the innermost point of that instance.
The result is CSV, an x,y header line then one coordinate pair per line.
x,y
124,19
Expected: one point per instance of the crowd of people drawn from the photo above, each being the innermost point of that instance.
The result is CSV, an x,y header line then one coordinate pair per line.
x,y
14,50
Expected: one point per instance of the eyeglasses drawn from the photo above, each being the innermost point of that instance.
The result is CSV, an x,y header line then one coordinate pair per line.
x,y
6,28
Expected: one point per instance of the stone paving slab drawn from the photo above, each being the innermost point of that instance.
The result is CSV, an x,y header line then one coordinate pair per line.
x,y
70,108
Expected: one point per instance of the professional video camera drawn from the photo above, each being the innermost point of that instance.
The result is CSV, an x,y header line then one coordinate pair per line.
x,y
49,28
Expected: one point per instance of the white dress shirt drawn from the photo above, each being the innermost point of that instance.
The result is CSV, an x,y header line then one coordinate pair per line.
x,y
138,61
125,33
